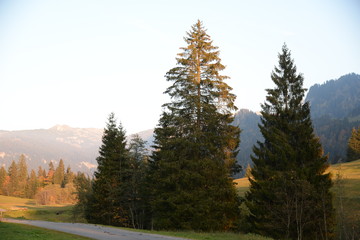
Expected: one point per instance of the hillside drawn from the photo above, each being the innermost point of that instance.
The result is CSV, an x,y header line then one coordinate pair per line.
x,y
336,99
335,110
248,122
349,173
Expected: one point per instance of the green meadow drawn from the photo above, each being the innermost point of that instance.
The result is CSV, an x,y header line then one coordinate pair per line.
x,y
22,208
10,231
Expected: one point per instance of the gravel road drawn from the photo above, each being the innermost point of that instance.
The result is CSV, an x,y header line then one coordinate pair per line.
x,y
93,231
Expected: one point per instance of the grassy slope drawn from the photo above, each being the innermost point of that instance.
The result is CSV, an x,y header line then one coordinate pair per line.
x,y
27,209
10,231
350,173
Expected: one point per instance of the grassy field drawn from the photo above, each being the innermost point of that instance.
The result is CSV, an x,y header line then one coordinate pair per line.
x,y
242,185
349,172
22,208
11,231
211,236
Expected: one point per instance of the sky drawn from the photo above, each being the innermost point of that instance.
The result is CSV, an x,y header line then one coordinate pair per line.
x,y
74,62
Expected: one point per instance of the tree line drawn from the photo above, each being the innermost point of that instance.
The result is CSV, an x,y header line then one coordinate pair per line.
x,y
54,186
186,181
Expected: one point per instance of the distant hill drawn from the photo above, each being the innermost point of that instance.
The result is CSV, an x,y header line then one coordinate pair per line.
x,y
335,110
248,122
336,99
78,147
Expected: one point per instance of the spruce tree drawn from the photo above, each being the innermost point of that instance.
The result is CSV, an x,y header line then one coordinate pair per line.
x,y
69,176
59,174
22,175
137,192
108,203
289,195
353,150
195,145
32,185
14,179
3,175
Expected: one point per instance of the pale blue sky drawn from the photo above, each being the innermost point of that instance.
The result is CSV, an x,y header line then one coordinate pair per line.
x,y
73,62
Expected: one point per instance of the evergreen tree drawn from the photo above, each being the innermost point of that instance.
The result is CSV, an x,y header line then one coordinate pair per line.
x,y
83,185
59,175
22,175
51,166
353,151
69,176
14,179
23,171
41,175
108,203
195,145
3,175
32,185
137,191
289,195
49,179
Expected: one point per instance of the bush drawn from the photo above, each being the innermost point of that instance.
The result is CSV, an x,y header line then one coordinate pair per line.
x,y
55,194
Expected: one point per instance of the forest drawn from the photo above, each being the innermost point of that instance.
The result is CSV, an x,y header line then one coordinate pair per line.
x,y
56,185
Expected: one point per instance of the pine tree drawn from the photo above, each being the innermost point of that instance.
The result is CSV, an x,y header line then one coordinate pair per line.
x,y
195,145
49,179
108,203
51,166
83,185
137,192
41,175
14,179
59,174
289,195
32,185
69,176
23,175
353,150
3,175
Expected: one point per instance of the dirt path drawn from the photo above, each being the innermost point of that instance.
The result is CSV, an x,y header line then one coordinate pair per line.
x,y
93,231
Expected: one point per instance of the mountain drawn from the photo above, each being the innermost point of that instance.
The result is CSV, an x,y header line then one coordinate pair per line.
x,y
335,110
336,99
248,122
78,147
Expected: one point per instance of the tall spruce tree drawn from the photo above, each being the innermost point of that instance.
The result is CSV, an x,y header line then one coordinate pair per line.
x,y
59,174
3,175
108,202
32,185
289,195
137,193
195,145
353,150
13,172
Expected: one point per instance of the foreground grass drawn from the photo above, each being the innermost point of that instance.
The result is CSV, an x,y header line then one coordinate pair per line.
x,y
11,231
212,236
200,235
